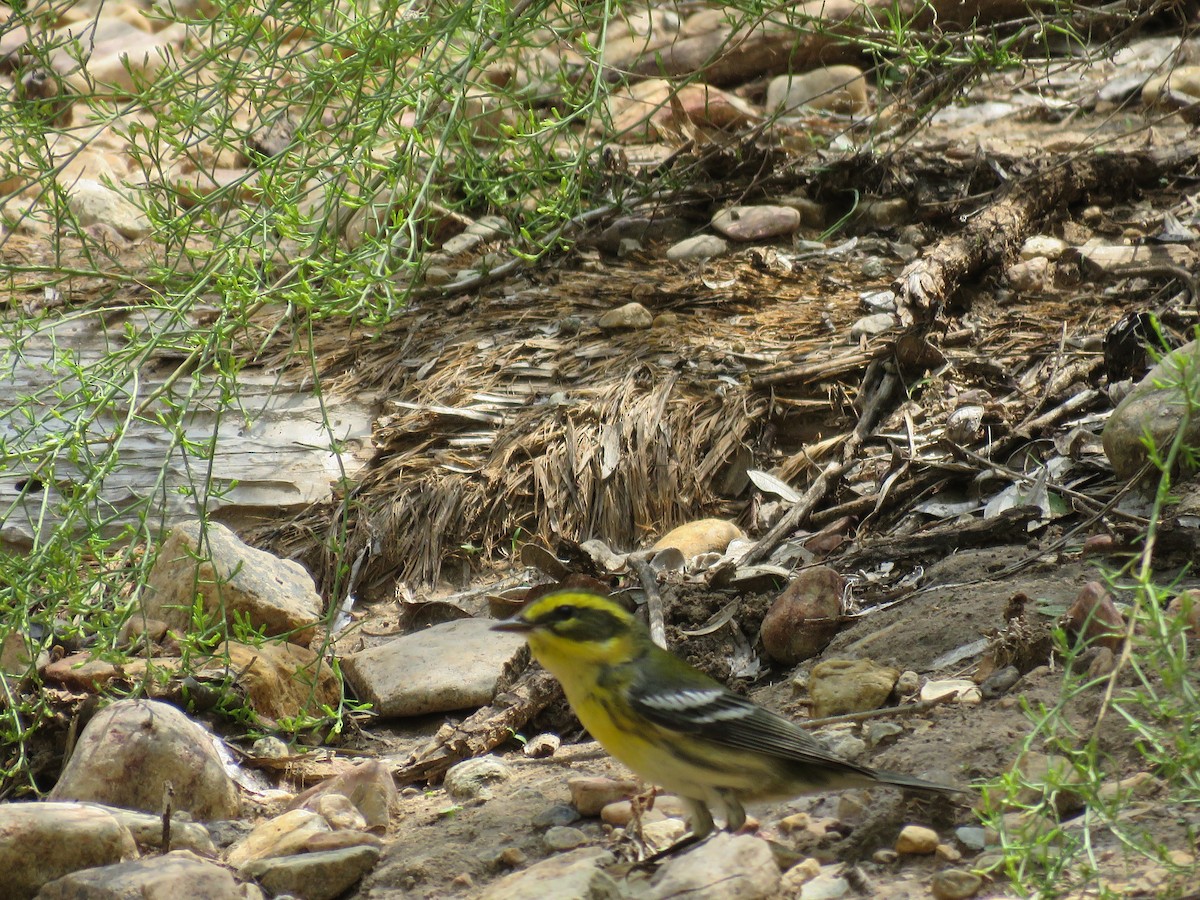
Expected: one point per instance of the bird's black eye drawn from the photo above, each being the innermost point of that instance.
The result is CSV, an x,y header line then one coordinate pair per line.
x,y
564,613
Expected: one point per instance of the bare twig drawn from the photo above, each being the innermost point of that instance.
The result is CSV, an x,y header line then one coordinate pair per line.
x,y
907,709
799,513
654,609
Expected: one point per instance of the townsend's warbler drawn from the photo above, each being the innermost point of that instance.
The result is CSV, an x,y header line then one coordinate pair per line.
x,y
671,723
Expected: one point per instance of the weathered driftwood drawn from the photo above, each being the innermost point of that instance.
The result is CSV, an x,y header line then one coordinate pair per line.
x,y
282,447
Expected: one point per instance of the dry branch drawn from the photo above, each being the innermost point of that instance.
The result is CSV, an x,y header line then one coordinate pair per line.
x,y
993,236
482,731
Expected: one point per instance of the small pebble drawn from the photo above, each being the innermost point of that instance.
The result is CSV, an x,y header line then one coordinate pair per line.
x,y
473,778
563,837
885,857
591,794
511,857
916,839
878,732
948,853
971,836
464,880
908,683
955,884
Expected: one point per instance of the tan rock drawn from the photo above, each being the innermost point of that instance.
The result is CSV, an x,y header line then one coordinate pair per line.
x,y
917,839
281,680
589,795
839,686
281,836
700,536
231,579
841,89
368,785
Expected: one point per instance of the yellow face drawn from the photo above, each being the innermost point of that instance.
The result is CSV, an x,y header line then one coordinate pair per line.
x,y
568,630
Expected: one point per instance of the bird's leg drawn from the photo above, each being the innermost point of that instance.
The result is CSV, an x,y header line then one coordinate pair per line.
x,y
735,813
702,828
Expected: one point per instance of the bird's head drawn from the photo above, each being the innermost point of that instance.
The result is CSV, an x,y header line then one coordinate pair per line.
x,y
574,627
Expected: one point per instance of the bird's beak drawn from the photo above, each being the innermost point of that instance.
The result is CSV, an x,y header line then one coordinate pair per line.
x,y
514,624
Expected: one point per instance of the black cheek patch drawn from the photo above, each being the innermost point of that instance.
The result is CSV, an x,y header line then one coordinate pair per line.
x,y
589,625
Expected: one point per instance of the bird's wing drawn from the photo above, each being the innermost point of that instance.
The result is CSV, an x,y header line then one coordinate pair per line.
x,y
711,712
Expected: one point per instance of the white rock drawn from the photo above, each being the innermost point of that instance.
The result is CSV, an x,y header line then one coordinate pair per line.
x,y
968,692
92,202
1043,245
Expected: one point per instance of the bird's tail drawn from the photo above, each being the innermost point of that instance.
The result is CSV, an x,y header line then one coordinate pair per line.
x,y
915,784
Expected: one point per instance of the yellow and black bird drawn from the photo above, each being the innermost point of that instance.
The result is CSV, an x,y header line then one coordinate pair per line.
x,y
672,724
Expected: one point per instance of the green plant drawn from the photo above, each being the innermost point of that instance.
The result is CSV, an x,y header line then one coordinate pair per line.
x,y
1050,848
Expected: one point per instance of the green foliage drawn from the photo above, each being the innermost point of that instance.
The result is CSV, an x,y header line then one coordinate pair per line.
x,y
1151,693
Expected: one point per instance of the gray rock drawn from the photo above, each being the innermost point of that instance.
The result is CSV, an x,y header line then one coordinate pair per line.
x,y
274,594
40,842
702,246
972,837
756,223
577,875
869,326
178,874
629,316
563,837
1154,406
314,876
560,814
848,746
642,229
726,867
455,665
131,749
878,732
94,203
472,778
146,830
